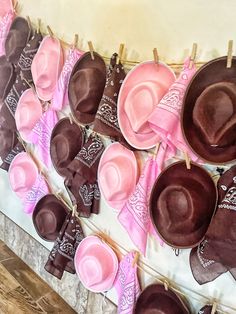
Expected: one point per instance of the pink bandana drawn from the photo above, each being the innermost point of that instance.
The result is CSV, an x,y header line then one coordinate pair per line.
x,y
134,216
165,119
39,189
41,135
127,285
60,96
5,25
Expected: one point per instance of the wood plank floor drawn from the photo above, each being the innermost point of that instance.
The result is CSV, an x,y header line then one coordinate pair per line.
x,y
24,292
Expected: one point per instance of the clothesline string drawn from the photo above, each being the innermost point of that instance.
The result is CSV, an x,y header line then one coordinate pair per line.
x,y
92,227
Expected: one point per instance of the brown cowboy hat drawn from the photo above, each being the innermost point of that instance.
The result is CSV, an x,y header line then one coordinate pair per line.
x,y
86,86
182,204
155,299
209,112
66,141
7,77
17,38
48,217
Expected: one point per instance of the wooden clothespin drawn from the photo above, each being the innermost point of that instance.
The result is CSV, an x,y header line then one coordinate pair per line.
x,y
166,284
120,53
229,54
74,208
39,26
91,49
76,39
193,55
155,56
71,118
15,6
135,260
187,160
50,32
156,150
214,307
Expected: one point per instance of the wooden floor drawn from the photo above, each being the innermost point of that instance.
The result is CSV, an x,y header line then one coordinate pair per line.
x,y
22,291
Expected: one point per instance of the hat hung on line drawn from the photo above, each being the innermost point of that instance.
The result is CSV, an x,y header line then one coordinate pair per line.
x,y
117,174
209,114
156,299
46,67
22,174
6,7
17,38
96,264
66,141
48,217
142,89
7,77
86,86
179,214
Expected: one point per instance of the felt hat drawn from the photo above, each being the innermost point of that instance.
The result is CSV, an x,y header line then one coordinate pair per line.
x,y
142,89
7,77
6,7
180,213
66,141
117,174
22,174
46,67
28,113
86,86
96,264
209,112
155,299
17,38
48,217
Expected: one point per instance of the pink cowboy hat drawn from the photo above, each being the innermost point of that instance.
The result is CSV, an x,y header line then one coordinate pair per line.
x,y
6,7
46,67
22,174
28,113
96,264
117,174
142,89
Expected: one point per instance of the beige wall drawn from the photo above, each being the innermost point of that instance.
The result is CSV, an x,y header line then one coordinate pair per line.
x,y
171,26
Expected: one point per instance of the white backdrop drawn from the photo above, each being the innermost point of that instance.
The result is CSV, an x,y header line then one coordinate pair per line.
x,y
172,27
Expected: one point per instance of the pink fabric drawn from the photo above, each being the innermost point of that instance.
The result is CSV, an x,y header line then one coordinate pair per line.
x,y
127,284
38,190
60,96
41,135
5,7
134,216
165,119
5,25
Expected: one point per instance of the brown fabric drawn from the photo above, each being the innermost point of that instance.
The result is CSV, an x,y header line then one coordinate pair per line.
x,y
18,148
17,38
206,310
221,236
48,217
209,112
7,77
27,55
206,268
66,141
106,120
155,299
86,86
82,182
61,257
178,211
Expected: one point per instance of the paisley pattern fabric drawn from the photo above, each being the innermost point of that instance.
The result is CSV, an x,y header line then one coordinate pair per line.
x,y
127,284
41,135
5,25
60,96
165,119
134,216
39,189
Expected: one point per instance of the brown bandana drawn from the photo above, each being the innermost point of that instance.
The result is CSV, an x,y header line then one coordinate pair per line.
x,y
18,148
216,254
106,120
82,182
27,55
61,257
206,310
